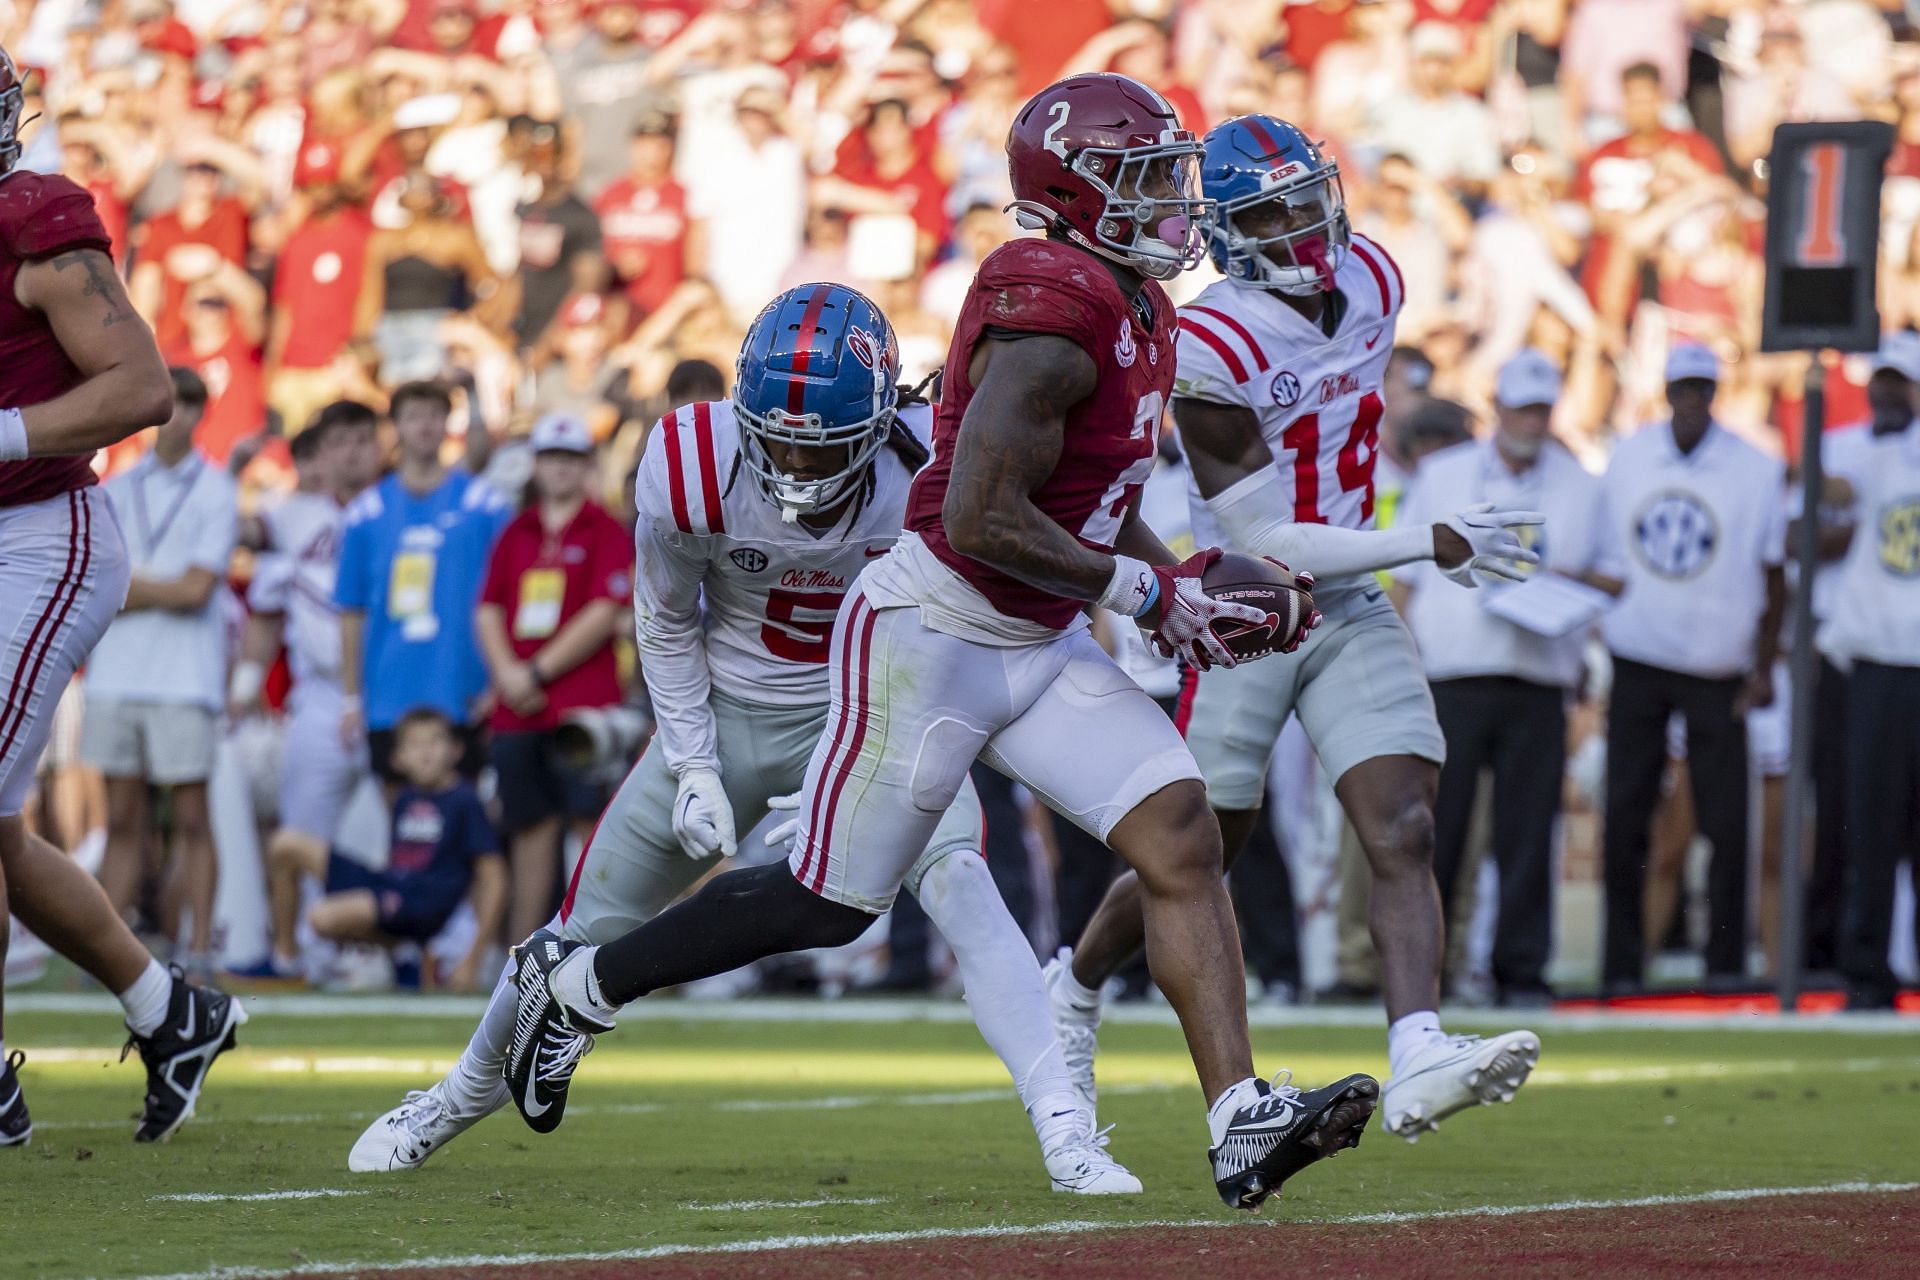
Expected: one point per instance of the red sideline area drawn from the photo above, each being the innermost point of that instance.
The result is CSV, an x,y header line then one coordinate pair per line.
x,y
1697,1003
1861,1237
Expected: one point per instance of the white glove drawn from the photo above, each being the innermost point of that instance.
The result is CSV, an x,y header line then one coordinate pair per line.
x,y
702,816
1496,549
780,835
1181,614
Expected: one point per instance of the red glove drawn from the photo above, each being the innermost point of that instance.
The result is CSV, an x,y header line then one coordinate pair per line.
x,y
1182,613
1305,582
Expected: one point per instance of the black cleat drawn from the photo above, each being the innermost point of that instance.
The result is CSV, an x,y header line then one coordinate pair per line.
x,y
198,1028
16,1126
1284,1131
549,1039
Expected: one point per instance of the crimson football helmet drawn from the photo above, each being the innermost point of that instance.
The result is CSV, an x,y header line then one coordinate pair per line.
x,y
13,101
1102,159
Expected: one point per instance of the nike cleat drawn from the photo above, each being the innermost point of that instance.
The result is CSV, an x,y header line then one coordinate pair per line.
x,y
1278,1130
16,1126
199,1027
405,1136
1453,1074
1076,1027
1077,1160
549,1039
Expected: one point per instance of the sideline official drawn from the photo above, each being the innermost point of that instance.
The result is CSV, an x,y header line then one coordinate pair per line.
x,y
1699,518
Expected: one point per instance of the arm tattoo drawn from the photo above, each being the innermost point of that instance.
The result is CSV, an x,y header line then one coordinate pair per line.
x,y
101,282
1008,446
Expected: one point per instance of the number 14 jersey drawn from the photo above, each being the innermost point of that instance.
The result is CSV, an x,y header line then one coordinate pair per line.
x,y
1318,398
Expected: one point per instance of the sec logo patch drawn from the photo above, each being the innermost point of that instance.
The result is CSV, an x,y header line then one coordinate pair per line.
x,y
1900,537
1676,534
1286,389
751,559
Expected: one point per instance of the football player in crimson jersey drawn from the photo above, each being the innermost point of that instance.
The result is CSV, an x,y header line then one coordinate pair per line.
x,y
78,371
1278,405
747,542
968,641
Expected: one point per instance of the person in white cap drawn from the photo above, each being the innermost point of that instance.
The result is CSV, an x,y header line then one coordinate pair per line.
x,y
1893,402
1698,517
557,589
1873,628
1501,691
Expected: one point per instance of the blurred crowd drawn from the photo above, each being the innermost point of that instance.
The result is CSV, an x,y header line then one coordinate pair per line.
x,y
504,214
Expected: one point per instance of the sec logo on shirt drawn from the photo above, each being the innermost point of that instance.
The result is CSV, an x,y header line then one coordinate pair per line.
x,y
1900,537
751,559
1675,534
1286,389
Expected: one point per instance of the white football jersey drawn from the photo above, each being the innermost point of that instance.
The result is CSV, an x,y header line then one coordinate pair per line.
x,y
708,536
1318,398
1876,614
295,577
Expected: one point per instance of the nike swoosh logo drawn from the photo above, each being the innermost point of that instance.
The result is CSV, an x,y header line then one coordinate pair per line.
x,y
186,1025
533,1106
1373,339
872,554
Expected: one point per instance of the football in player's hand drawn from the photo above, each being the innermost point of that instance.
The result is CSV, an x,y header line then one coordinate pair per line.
x,y
1269,586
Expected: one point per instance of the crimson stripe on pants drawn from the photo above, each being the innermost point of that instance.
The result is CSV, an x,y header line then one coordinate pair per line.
x,y
853,748
15,712
837,733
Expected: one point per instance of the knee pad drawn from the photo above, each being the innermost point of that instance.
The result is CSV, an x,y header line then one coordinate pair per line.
x,y
949,888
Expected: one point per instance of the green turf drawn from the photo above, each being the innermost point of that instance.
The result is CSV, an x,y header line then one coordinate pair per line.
x,y
1611,1114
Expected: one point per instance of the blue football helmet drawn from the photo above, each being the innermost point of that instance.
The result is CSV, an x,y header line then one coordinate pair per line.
x,y
1280,216
817,370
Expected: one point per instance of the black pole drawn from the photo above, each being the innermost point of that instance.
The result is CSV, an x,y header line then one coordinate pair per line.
x,y
1793,904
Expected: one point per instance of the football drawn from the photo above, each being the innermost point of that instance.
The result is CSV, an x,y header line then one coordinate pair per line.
x,y
1266,585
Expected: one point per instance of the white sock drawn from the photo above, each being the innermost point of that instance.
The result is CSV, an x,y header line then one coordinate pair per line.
x,y
1409,1035
1221,1113
3,1048
146,1000
1004,986
1073,993
475,1086
576,987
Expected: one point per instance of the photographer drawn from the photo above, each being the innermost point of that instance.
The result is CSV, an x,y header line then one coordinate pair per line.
x,y
557,590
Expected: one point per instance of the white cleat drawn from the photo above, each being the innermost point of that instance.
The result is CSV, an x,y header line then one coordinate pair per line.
x,y
1454,1074
1077,1029
1079,1164
405,1136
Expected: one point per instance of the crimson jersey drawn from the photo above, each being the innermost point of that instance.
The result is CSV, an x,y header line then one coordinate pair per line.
x,y
40,215
1042,286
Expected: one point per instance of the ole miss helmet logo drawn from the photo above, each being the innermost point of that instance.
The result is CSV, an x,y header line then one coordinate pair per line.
x,y
860,342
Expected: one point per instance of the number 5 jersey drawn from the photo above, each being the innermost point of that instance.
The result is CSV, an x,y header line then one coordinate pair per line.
x,y
707,534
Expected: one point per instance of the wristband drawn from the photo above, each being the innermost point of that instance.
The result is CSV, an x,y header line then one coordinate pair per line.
x,y
248,678
13,435
1133,590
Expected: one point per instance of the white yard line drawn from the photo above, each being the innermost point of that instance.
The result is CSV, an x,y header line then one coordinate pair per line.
x,y
738,1206
212,1197
468,1009
773,1244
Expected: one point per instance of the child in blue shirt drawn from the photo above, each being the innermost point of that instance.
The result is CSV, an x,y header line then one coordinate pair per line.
x,y
443,850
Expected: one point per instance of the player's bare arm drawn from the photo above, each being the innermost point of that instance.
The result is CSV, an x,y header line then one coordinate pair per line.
x,y
1009,443
124,386
1234,469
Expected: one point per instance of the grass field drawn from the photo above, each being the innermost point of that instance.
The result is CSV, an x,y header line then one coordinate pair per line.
x,y
770,1126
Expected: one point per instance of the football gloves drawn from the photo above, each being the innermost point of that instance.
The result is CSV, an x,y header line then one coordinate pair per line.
x,y
1182,614
703,816
1496,550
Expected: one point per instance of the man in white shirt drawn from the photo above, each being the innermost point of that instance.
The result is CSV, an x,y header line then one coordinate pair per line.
x,y
1698,520
157,680
1875,626
1893,396
1501,691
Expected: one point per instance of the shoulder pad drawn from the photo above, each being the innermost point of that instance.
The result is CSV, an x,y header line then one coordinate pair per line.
x,y
43,214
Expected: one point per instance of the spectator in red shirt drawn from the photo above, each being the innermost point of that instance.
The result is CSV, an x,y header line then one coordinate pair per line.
x,y
885,171
175,247
225,319
1616,181
645,231
558,587
316,286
